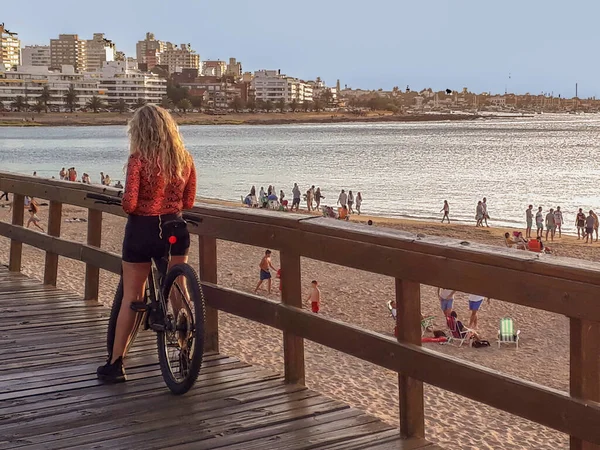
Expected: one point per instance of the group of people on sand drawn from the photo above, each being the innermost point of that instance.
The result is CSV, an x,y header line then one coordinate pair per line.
x,y
481,214
265,266
71,175
446,297
553,222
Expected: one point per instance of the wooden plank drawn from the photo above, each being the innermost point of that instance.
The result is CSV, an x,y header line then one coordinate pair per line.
x,y
54,222
291,294
384,440
584,378
63,247
16,247
94,238
207,248
510,394
408,324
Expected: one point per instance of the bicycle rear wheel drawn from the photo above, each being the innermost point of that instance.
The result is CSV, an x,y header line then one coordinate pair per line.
x,y
112,322
181,345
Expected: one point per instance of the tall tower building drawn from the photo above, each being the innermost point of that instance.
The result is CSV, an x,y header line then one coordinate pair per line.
x,y
10,49
179,58
68,49
98,51
149,50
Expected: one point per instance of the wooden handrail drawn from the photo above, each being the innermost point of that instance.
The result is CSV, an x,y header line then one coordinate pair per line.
x,y
558,285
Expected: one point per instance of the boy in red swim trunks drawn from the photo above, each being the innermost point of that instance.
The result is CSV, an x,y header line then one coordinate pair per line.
x,y
314,296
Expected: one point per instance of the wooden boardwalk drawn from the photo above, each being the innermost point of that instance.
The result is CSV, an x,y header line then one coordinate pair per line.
x,y
51,343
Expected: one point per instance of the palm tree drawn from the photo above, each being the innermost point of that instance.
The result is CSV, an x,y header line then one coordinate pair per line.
x,y
19,103
268,107
166,103
122,106
184,104
71,98
45,96
95,103
294,105
281,104
39,106
141,102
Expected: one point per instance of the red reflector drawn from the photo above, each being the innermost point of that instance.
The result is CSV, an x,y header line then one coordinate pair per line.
x,y
172,240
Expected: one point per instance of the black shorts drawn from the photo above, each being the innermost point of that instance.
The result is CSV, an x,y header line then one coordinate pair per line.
x,y
295,202
142,240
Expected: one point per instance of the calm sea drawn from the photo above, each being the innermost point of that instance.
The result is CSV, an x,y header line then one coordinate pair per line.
x,y
402,169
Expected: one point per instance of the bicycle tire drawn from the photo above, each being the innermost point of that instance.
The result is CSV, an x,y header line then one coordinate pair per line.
x,y
112,322
197,298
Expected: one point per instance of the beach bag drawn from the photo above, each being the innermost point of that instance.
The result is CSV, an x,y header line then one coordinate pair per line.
x,y
478,343
439,333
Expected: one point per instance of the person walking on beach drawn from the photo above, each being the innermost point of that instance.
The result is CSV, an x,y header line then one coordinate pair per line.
x,y
102,178
314,297
529,219
550,224
318,197
446,297
73,175
350,202
343,199
486,216
558,219
539,222
589,227
595,224
265,273
296,197
358,202
107,180
309,200
312,188
479,214
446,210
580,224
281,196
475,302
62,174
33,217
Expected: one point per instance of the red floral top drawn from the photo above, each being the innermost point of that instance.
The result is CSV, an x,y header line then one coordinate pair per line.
x,y
152,196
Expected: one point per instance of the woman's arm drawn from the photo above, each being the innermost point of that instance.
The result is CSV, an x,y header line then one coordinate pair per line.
x,y
132,185
189,193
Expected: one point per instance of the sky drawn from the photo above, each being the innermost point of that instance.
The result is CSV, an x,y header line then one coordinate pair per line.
x,y
487,46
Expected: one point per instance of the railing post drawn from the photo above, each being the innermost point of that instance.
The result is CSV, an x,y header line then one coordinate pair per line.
x,y
51,266
291,294
584,380
207,247
94,237
410,391
16,247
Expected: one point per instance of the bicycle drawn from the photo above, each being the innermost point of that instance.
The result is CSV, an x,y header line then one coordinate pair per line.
x,y
178,323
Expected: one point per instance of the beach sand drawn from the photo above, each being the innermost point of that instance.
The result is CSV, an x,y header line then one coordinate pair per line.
x,y
360,298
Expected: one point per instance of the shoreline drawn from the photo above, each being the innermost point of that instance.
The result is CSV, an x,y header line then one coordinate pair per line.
x,y
106,119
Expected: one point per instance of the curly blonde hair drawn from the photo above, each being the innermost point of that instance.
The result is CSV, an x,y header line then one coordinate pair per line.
x,y
154,136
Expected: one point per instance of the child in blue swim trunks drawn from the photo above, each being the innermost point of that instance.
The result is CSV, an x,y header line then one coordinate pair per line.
x,y
446,297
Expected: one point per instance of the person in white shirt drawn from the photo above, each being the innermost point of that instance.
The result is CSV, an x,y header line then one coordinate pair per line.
x,y
343,199
446,297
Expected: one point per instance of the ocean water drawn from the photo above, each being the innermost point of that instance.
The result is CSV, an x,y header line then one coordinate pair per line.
x,y
401,169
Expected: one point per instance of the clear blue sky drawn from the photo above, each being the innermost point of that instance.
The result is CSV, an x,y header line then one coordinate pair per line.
x,y
545,45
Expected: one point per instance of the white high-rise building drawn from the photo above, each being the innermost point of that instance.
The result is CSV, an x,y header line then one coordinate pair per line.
x,y
272,85
10,49
36,55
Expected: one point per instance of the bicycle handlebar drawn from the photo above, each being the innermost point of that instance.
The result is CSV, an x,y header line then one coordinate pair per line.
x,y
112,200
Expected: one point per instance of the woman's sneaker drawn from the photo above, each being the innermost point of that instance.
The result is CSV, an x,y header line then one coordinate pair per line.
x,y
112,373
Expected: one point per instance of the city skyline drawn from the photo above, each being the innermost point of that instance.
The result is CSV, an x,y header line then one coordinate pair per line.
x,y
438,44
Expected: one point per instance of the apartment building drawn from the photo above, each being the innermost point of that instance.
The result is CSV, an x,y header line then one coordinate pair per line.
x,y
179,58
10,49
149,50
68,50
36,55
120,80
98,51
274,86
28,82
234,68
214,68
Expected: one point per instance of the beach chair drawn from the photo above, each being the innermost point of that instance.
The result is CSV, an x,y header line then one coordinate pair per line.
x,y
426,324
455,334
506,333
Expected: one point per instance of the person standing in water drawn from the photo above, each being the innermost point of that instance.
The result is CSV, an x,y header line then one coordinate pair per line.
x,y
296,197
539,222
529,219
479,214
446,210
350,202
550,225
309,200
318,197
558,219
358,202
486,216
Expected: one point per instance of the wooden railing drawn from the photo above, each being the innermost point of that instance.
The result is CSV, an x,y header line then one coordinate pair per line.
x,y
561,286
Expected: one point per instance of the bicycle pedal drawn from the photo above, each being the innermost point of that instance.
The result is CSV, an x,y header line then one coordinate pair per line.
x,y
139,306
157,327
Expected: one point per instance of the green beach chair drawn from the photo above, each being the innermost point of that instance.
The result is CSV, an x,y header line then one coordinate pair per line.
x,y
506,334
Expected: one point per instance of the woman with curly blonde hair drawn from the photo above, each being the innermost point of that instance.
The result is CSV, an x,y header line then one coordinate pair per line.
x,y
160,183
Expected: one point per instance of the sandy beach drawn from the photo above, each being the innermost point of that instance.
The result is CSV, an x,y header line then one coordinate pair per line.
x,y
31,119
360,298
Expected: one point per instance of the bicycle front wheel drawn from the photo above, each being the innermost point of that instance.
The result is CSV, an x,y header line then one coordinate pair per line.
x,y
181,345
